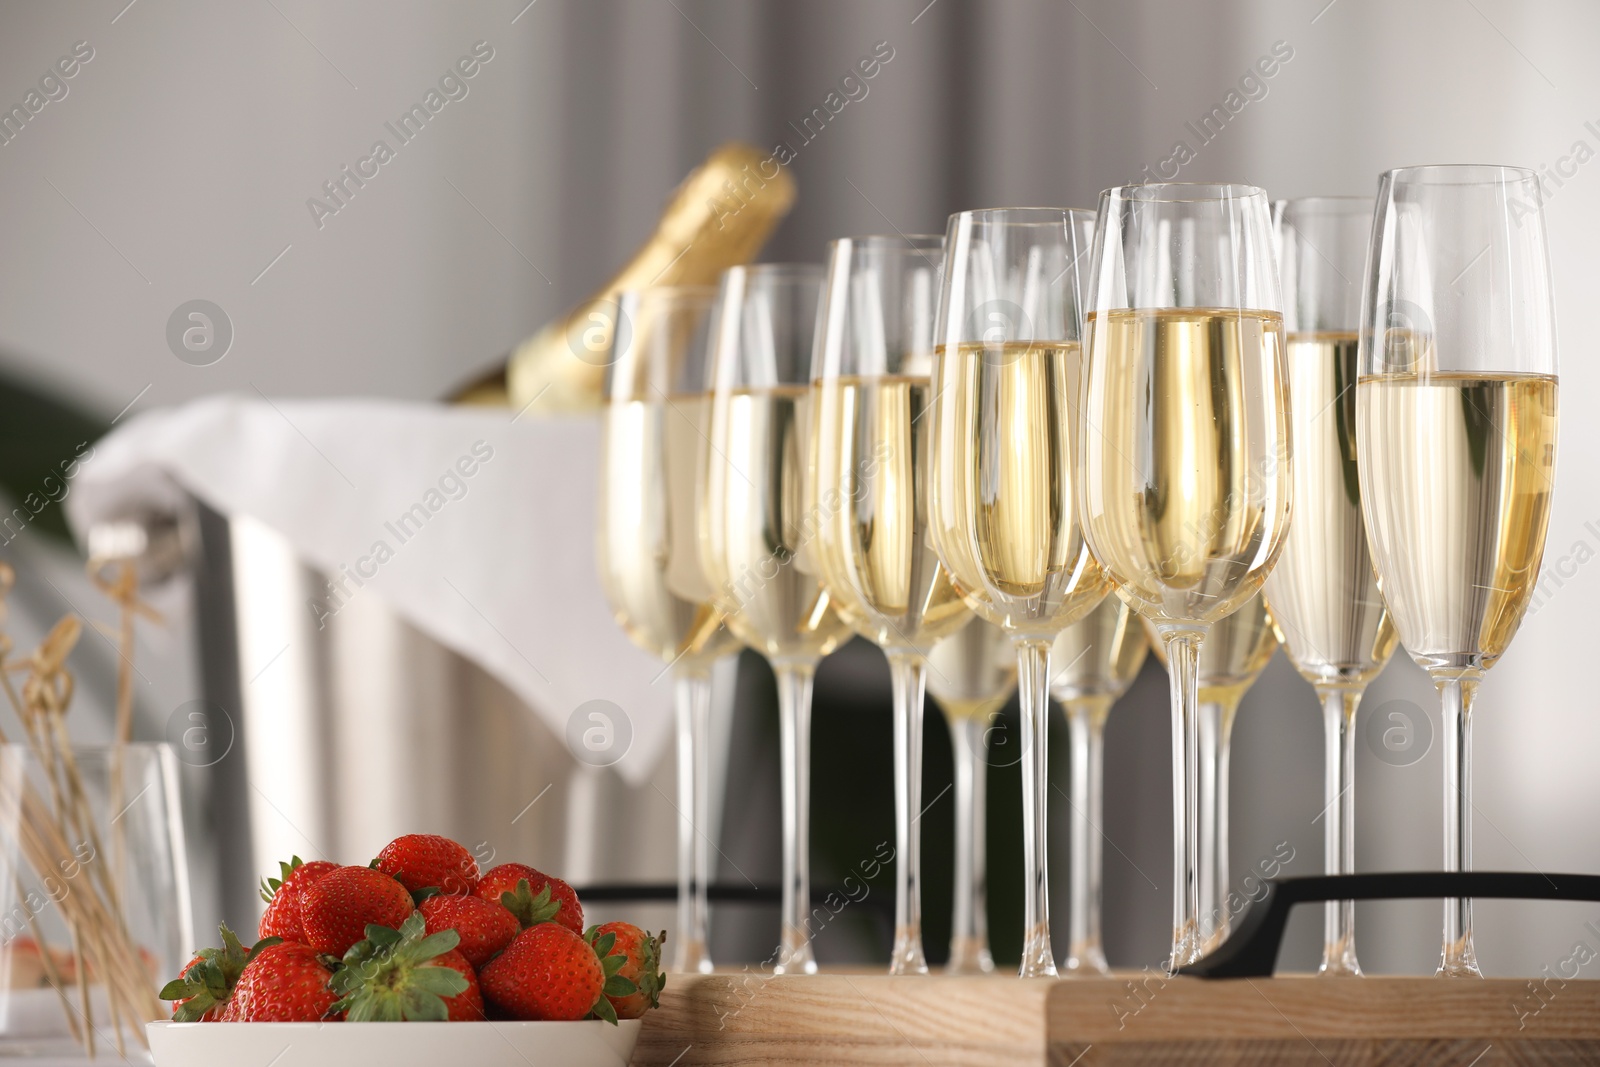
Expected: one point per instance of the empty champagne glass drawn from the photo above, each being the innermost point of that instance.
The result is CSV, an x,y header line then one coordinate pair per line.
x,y
655,414
1236,651
1099,656
756,532
1456,420
1005,507
872,383
1185,440
1324,598
970,674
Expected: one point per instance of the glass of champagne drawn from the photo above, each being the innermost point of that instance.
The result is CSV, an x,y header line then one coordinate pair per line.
x,y
1456,421
655,413
872,382
1324,598
757,528
1185,482
970,674
1099,658
1236,651
1005,511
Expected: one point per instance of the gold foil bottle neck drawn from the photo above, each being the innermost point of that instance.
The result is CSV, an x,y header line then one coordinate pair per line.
x,y
718,217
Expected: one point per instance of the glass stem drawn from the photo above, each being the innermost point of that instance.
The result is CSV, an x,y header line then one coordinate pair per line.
x,y
969,925
794,752
1183,665
1214,741
1033,686
1086,721
693,698
908,673
1456,693
1339,705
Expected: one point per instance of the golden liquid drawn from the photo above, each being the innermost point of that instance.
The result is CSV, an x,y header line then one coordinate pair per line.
x,y
873,446
1186,456
1456,474
1323,595
1004,502
1099,655
757,529
649,562
1235,652
971,672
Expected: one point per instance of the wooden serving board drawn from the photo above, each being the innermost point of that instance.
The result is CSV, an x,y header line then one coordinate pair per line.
x,y
869,1018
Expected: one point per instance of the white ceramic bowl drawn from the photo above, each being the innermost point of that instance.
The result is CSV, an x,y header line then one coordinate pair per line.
x,y
584,1044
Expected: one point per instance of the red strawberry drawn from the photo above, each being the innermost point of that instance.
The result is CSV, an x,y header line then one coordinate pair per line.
x,y
407,975
336,909
283,983
207,983
465,1007
428,861
485,928
526,887
547,973
641,967
282,917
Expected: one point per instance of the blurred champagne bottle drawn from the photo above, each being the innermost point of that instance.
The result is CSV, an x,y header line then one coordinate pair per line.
x,y
719,217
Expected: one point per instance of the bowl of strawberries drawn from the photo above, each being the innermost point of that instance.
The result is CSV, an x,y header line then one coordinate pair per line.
x,y
495,965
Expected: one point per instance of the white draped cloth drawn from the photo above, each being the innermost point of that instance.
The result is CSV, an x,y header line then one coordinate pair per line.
x,y
475,527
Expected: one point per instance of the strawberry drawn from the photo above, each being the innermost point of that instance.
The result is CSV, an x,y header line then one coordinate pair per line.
x,y
428,861
282,917
337,908
485,928
283,983
547,973
527,893
467,1006
407,975
640,966
208,980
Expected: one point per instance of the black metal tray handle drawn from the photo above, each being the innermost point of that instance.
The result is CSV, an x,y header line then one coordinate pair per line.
x,y
1251,951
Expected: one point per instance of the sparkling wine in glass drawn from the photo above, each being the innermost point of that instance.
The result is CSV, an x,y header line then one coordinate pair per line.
x,y
871,444
970,674
1236,651
655,413
1324,598
1005,512
1185,484
757,530
1096,659
1456,424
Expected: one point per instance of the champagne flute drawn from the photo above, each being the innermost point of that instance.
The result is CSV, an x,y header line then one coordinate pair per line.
x,y
655,413
1236,651
1324,599
872,380
1100,656
970,674
1185,440
756,530
1005,459
1456,419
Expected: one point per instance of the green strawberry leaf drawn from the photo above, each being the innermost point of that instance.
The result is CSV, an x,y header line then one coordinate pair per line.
x,y
443,981
270,886
387,977
618,986
529,909
603,1010
419,1005
423,894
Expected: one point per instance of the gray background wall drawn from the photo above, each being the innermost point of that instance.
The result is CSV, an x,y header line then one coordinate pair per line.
x,y
179,163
